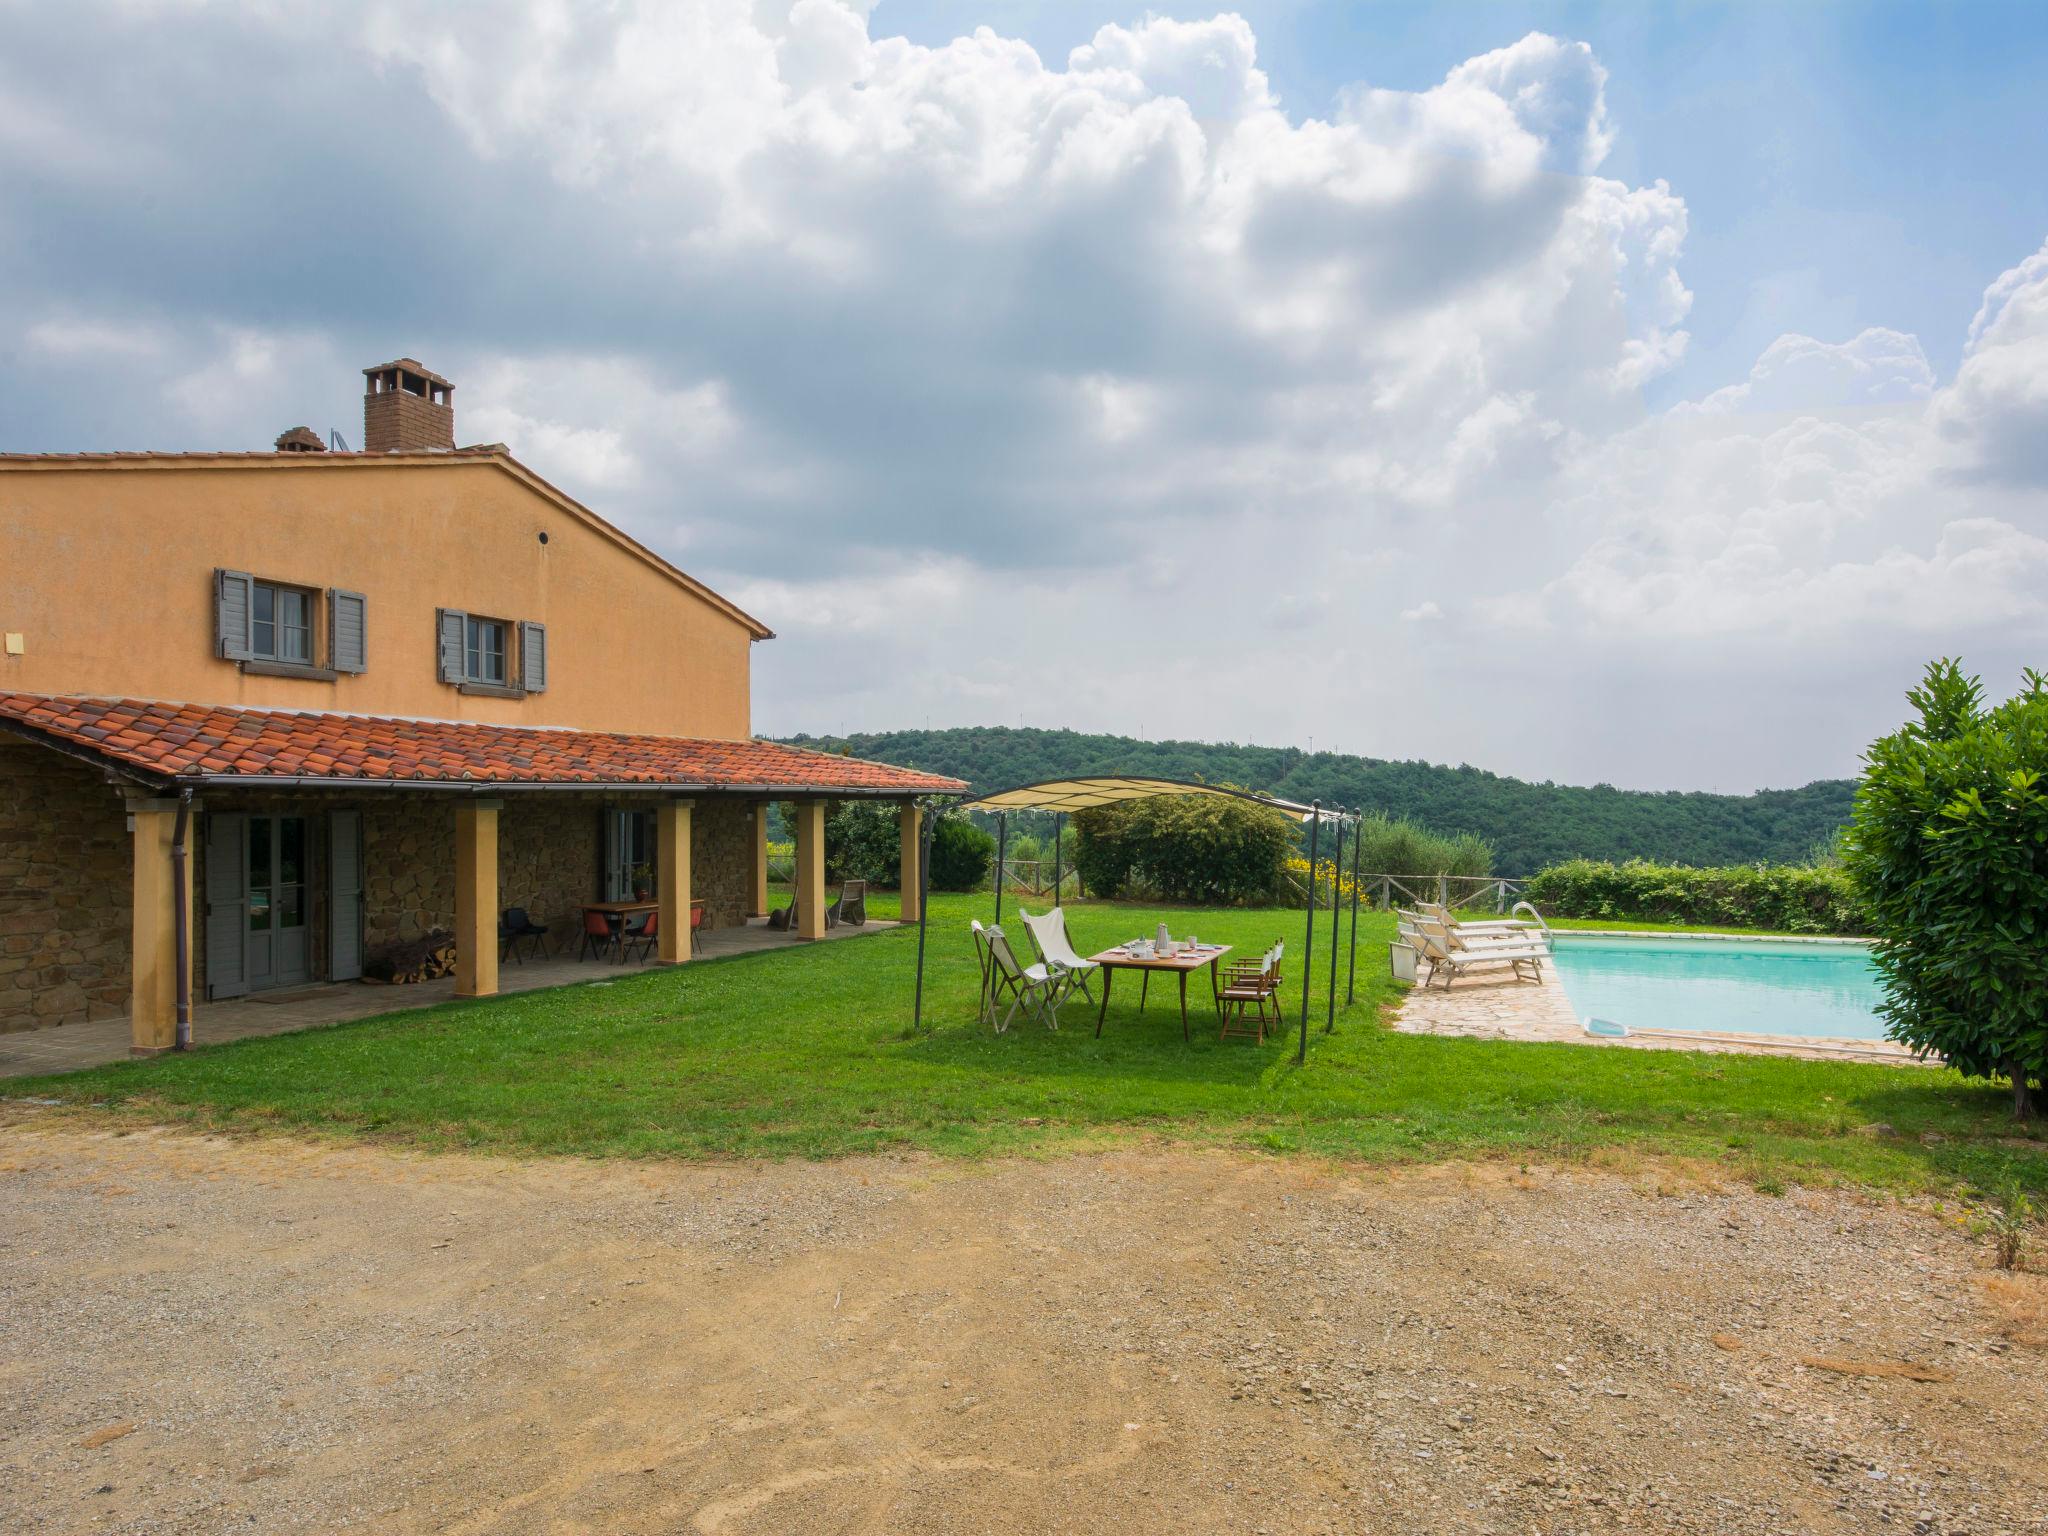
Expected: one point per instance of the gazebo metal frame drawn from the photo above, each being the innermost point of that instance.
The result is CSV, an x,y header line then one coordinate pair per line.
x,y
1085,791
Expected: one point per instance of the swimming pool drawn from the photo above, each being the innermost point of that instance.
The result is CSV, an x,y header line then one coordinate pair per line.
x,y
1725,985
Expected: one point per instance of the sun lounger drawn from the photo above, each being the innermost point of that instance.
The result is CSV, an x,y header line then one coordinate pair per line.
x,y
1433,942
1490,930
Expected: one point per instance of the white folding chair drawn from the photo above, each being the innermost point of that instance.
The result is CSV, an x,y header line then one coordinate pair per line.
x,y
1034,988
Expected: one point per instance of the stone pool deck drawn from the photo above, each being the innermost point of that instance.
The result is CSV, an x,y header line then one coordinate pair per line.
x,y
1489,1007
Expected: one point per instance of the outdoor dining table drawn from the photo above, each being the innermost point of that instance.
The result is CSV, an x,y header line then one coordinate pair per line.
x,y
1121,959
619,911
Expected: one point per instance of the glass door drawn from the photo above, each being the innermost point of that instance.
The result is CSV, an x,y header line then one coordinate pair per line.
x,y
628,853
280,952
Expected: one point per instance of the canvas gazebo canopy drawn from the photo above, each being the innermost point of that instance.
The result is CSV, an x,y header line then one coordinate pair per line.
x,y
1084,792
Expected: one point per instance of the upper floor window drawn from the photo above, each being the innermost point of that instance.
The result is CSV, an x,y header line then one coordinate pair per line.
x,y
494,656
484,652
289,630
281,624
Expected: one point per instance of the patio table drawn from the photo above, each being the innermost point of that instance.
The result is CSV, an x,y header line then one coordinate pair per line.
x,y
621,910
1119,959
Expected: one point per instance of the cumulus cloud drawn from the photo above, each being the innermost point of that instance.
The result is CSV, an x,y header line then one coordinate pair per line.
x,y
1116,370
1817,510
1798,373
1996,415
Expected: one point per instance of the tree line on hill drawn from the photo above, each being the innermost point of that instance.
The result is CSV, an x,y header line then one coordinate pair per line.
x,y
1527,825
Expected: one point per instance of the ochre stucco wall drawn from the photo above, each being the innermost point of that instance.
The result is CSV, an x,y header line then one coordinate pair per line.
x,y
110,581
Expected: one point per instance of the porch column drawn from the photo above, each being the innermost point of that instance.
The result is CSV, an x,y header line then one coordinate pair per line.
x,y
757,890
672,859
476,898
910,820
154,961
810,869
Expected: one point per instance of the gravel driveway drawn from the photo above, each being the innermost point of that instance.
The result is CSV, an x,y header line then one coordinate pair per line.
x,y
203,1335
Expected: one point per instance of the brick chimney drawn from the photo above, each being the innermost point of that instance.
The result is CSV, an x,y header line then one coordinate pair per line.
x,y
407,409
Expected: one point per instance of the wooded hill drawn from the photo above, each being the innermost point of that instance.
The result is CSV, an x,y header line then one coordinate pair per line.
x,y
1529,825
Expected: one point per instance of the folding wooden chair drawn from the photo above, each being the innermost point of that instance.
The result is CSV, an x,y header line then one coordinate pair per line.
x,y
1250,984
1034,988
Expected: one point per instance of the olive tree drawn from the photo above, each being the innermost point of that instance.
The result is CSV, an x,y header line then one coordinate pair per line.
x,y
1949,848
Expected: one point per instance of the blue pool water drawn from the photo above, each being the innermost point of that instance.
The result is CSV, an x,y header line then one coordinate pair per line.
x,y
1725,985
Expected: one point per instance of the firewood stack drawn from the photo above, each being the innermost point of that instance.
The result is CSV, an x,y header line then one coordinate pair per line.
x,y
412,960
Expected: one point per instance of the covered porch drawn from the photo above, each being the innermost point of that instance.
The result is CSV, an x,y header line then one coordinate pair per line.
x,y
268,853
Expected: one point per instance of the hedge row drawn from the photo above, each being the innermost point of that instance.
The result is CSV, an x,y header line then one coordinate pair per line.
x,y
1794,898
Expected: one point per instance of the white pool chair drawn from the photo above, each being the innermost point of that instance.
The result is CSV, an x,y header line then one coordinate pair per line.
x,y
1432,941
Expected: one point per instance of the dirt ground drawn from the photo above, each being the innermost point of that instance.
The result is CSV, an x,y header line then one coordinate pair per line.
x,y
202,1336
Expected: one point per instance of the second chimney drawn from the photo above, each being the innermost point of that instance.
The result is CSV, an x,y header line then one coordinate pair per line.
x,y
407,409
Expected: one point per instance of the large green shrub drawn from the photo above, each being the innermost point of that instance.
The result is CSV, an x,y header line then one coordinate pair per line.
x,y
961,854
1209,848
863,841
1949,847
1797,898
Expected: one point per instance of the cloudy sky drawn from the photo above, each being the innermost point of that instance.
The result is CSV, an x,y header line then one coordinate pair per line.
x,y
1578,392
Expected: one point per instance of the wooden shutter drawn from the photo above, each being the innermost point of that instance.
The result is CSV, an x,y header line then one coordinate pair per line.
x,y
234,594
345,893
227,905
533,657
453,627
348,631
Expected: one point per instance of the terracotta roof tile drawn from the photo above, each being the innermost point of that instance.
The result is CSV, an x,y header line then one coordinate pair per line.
x,y
171,741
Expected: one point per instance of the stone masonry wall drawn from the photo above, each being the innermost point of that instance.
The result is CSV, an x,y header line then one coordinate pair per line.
x,y
408,867
66,879
551,859
721,858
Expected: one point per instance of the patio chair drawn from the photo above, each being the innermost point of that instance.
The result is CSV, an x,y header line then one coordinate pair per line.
x,y
641,938
1033,988
515,925
1249,984
601,935
1049,937
851,907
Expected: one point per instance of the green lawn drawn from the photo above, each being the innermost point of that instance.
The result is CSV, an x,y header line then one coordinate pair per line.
x,y
808,1052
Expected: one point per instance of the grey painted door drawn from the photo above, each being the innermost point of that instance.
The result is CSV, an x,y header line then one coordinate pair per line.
x,y
345,895
280,954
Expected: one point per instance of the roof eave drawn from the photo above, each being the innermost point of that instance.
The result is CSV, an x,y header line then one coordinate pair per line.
x,y
93,757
